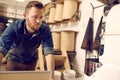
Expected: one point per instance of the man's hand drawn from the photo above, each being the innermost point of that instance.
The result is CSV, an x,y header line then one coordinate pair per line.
x,y
50,65
1,57
51,79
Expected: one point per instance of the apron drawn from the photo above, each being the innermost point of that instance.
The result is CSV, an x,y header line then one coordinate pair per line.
x,y
26,52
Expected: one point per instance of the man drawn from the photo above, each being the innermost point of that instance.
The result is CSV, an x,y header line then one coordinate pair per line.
x,y
22,38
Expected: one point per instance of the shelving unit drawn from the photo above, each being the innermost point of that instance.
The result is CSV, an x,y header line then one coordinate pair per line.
x,y
69,26
62,60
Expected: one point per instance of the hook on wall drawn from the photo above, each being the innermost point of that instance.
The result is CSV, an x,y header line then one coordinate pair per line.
x,y
95,8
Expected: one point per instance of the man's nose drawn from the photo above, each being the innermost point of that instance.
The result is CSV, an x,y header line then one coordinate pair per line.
x,y
38,20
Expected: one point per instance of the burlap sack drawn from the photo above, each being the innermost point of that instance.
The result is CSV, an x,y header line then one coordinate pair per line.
x,y
56,40
69,9
68,40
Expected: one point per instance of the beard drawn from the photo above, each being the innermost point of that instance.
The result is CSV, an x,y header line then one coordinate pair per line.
x,y
34,27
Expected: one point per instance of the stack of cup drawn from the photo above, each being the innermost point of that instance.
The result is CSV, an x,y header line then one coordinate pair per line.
x,y
69,75
57,75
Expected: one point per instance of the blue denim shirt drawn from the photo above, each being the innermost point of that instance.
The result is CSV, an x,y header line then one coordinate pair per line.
x,y
16,40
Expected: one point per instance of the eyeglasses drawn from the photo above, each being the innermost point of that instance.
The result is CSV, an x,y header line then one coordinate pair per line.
x,y
36,18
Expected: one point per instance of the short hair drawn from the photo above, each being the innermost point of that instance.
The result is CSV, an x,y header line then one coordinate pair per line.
x,y
36,4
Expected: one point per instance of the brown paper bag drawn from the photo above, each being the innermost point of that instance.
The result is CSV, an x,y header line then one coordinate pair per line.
x,y
68,40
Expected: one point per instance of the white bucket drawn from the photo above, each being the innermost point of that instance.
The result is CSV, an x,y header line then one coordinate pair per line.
x,y
57,75
69,75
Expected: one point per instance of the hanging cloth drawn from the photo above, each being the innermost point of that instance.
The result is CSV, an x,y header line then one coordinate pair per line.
x,y
88,38
97,41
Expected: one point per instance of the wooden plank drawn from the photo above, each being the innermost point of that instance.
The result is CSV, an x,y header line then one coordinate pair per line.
x,y
41,58
66,63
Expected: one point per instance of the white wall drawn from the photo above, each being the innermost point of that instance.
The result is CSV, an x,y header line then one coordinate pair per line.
x,y
86,12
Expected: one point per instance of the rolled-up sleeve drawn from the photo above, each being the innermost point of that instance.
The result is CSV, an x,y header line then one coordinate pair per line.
x,y
3,50
48,50
6,39
47,42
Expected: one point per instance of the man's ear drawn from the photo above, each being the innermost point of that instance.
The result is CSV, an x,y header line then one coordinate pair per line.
x,y
24,14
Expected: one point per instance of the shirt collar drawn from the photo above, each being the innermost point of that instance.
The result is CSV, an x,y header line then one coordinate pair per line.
x,y
26,32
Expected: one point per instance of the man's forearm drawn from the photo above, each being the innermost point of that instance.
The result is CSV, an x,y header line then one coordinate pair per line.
x,y
50,64
1,57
